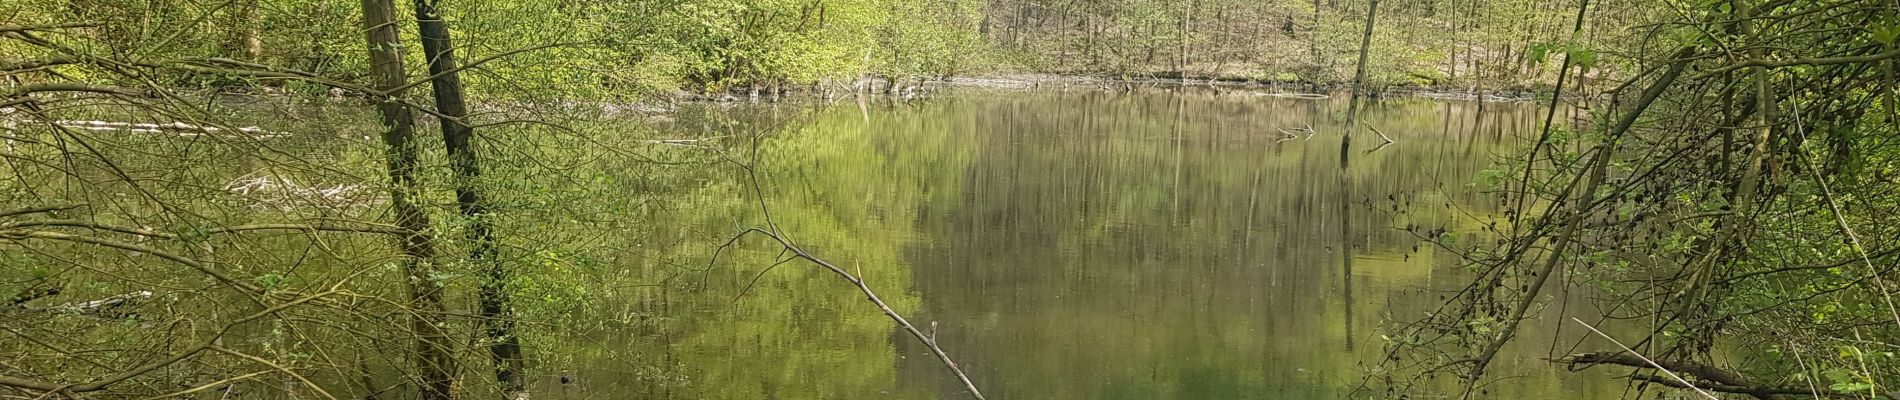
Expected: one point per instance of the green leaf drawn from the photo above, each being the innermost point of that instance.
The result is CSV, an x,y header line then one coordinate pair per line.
x,y
1584,59
269,281
1886,34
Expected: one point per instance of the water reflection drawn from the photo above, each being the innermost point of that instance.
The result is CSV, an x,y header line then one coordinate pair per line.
x,y
1086,245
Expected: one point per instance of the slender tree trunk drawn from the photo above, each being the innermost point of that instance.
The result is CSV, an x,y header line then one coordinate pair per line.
x,y
1451,63
1358,78
1312,38
245,26
1550,115
983,27
504,346
1187,31
1764,127
1729,226
434,357
1345,179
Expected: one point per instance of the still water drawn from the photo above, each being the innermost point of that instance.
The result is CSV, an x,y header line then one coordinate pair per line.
x,y
1059,245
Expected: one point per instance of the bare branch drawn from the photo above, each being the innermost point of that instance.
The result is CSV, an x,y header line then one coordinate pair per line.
x,y
1860,59
194,264
27,89
268,363
30,28
1708,377
1647,361
39,209
928,340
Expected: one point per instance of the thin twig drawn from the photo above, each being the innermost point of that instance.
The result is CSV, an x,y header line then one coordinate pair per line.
x,y
260,360
926,339
201,388
40,209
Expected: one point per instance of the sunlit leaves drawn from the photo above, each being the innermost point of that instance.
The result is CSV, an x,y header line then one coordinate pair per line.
x,y
1885,33
1584,59
269,281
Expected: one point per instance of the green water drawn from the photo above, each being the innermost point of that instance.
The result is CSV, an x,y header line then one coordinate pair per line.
x,y
1069,245
1059,245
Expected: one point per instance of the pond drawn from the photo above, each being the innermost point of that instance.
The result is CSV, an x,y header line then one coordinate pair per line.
x,y
1060,244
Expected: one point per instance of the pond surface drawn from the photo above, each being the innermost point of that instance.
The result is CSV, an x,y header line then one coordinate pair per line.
x,y
1066,245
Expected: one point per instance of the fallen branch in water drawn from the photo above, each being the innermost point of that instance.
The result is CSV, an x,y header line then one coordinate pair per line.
x,y
40,209
686,142
1301,96
929,340
1294,133
20,300
31,28
682,141
1381,146
1388,139
789,247
269,190
176,128
73,390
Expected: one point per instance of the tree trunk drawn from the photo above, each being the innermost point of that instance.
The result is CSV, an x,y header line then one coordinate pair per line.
x,y
434,358
1358,77
1728,228
245,26
504,346
1312,38
1550,115
1451,63
1187,31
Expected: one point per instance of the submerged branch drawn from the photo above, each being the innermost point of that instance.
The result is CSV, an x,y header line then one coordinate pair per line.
x,y
1382,136
928,340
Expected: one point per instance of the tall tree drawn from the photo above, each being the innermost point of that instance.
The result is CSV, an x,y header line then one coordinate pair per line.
x,y
497,314
434,359
1358,79
245,25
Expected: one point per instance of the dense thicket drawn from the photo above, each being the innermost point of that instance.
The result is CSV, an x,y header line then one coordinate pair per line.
x,y
1733,204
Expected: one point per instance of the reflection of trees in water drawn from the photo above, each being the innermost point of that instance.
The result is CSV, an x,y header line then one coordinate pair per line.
x,y
1120,239
1063,251
797,332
